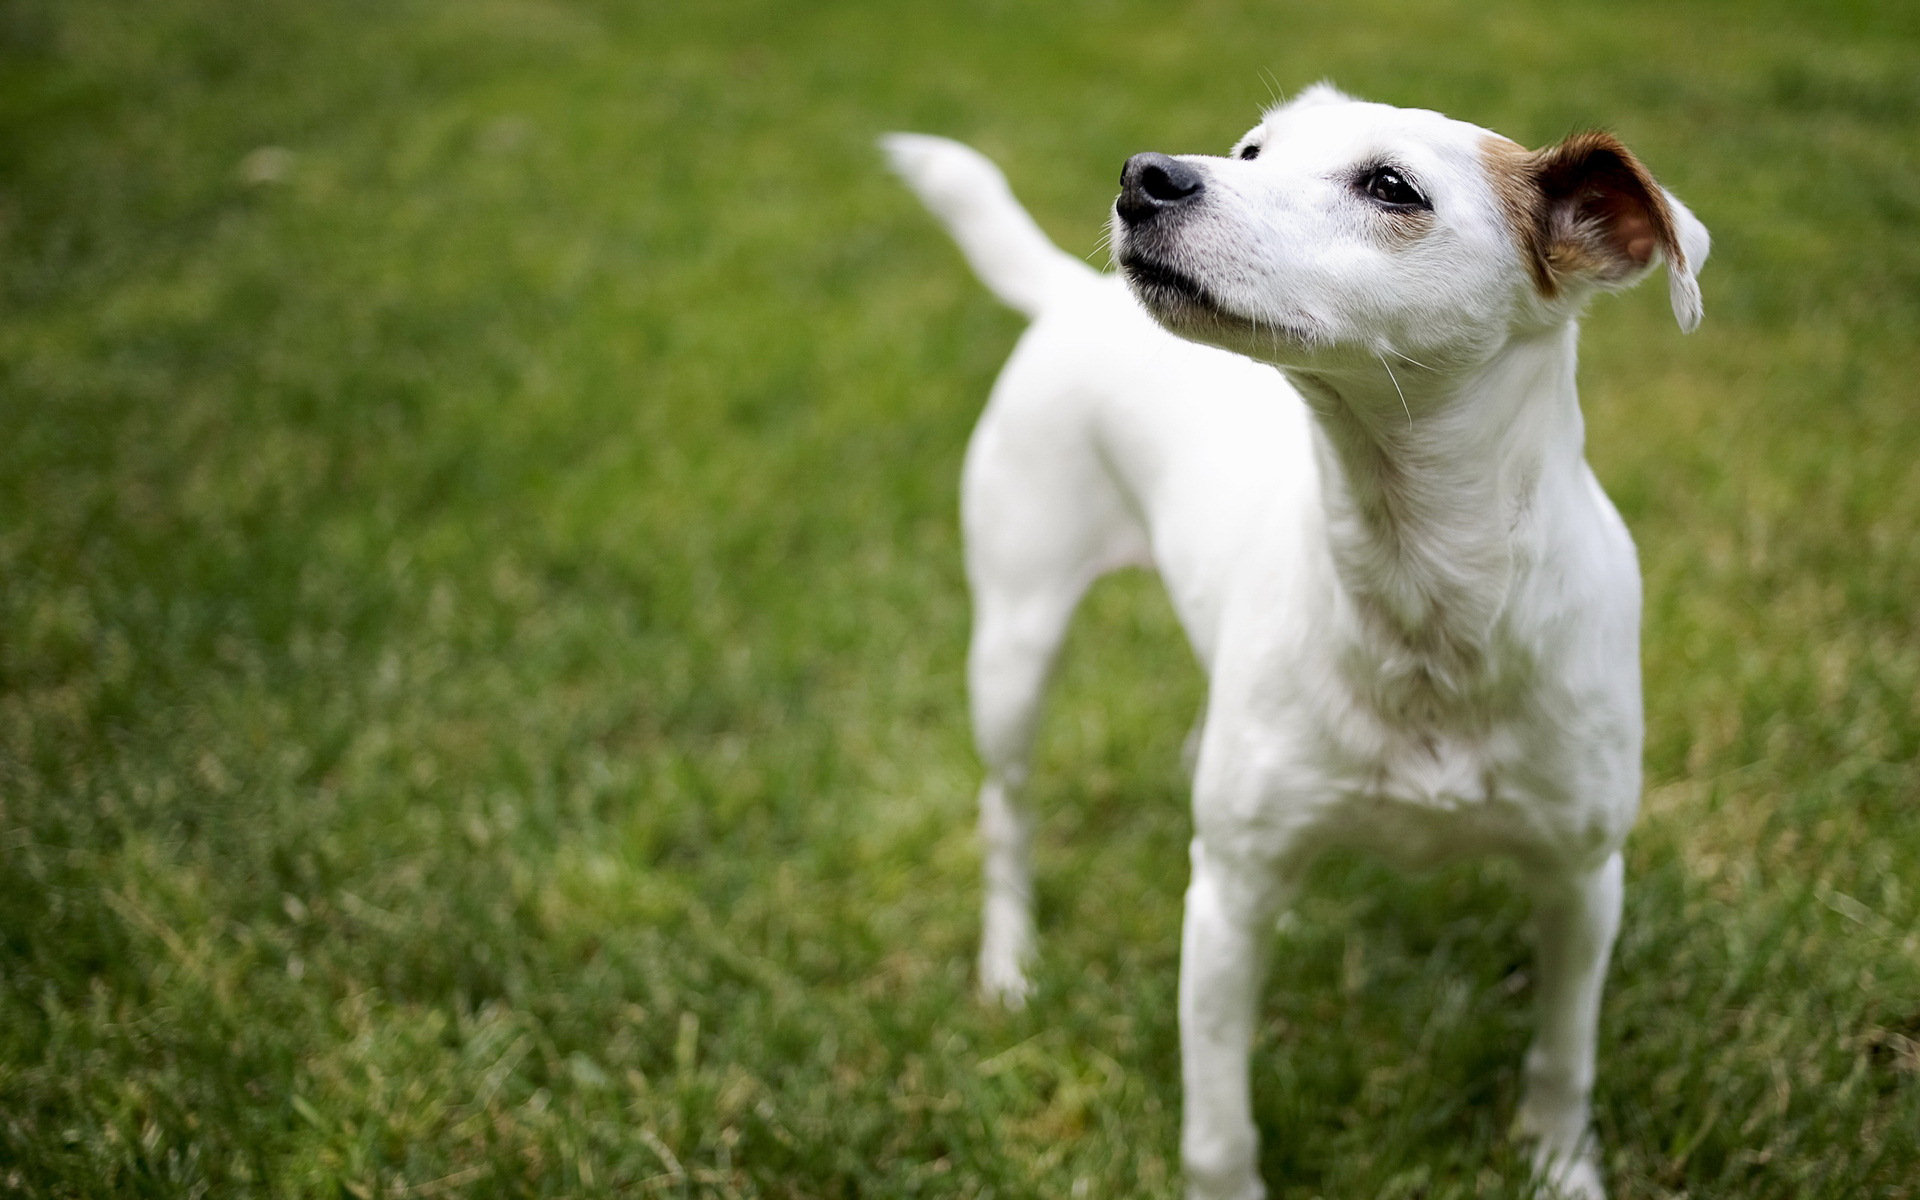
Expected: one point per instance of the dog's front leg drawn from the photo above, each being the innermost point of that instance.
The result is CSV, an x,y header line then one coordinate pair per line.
x,y
1225,943
1575,921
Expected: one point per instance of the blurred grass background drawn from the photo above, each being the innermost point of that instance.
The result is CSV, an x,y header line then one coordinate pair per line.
x,y
481,620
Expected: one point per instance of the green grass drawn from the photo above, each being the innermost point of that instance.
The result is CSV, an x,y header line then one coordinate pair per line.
x,y
481,623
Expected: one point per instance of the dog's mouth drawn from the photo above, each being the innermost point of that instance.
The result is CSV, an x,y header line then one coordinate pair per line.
x,y
1179,301
1188,307
1156,283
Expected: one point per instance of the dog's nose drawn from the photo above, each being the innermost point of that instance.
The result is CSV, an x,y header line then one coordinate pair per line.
x,y
1150,183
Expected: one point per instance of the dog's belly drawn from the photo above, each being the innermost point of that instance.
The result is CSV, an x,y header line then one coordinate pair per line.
x,y
1419,831
1448,799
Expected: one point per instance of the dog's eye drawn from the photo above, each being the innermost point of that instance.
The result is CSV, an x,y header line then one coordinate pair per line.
x,y
1388,186
1249,152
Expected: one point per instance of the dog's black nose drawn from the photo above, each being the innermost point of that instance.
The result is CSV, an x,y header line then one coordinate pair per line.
x,y
1150,183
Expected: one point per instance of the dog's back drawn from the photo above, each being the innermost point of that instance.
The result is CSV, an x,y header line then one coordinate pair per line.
x,y
1107,441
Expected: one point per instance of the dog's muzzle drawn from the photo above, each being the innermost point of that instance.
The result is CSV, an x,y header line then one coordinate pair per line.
x,y
1151,184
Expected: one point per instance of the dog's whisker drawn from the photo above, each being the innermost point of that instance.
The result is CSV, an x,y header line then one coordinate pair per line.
x,y
1396,388
1416,362
1273,87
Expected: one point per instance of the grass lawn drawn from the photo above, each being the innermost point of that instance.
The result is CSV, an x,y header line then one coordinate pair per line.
x,y
481,621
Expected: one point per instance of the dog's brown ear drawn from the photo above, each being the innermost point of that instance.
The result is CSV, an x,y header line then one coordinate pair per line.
x,y
1586,211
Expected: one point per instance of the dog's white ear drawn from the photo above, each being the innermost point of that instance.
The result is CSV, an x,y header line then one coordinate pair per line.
x,y
1591,214
1683,270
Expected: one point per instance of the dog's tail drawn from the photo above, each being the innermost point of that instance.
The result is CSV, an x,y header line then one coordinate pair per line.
x,y
968,193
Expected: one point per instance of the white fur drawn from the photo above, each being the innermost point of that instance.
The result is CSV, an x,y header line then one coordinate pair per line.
x,y
1418,611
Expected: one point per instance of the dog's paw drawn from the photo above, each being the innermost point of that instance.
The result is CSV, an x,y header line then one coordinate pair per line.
x,y
1006,947
1003,981
1575,1177
1243,1186
1565,1158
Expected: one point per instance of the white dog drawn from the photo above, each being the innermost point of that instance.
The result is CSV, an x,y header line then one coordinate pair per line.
x,y
1418,612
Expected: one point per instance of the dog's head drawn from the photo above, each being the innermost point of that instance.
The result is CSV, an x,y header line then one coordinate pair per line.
x,y
1337,230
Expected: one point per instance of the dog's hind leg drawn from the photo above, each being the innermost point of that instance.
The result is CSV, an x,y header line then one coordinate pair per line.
x,y
1015,640
1041,525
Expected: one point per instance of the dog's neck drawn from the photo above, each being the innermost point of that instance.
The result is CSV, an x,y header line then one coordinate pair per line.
x,y
1435,486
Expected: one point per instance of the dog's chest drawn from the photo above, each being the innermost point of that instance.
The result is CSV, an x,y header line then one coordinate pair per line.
x,y
1464,738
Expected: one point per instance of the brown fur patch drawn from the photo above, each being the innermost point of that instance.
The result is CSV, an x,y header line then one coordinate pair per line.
x,y
1509,168
1583,207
